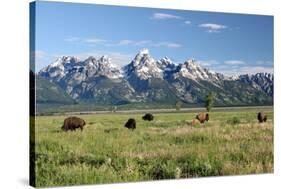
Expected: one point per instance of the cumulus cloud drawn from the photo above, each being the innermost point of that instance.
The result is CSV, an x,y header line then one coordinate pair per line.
x,y
212,28
187,22
163,16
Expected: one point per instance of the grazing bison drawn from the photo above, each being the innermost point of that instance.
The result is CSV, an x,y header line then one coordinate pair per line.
x,y
72,123
131,124
262,117
148,117
202,117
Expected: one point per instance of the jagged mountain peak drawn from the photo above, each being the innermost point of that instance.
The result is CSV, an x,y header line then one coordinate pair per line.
x,y
68,59
105,59
143,58
72,68
166,61
254,76
144,51
192,70
91,59
147,78
143,66
262,81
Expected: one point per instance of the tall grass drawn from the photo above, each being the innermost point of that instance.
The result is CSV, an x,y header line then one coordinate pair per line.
x,y
166,148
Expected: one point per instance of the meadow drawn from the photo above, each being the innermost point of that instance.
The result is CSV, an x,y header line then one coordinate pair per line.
x,y
169,147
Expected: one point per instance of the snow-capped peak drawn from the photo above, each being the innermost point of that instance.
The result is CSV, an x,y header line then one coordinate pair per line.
x,y
105,60
166,61
190,69
144,51
69,66
68,59
144,66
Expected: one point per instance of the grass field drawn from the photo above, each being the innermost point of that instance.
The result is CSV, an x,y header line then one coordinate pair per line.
x,y
169,147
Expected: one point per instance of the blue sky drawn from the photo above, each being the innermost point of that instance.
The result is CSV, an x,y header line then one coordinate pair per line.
x,y
227,43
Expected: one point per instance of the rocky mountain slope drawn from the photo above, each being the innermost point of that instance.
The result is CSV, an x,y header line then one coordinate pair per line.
x,y
146,80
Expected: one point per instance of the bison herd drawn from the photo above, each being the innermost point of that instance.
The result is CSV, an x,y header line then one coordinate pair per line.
x,y
72,123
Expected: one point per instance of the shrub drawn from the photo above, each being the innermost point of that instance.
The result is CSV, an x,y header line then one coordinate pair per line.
x,y
234,121
162,170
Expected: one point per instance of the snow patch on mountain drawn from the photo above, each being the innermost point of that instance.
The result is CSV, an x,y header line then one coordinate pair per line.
x,y
79,77
143,66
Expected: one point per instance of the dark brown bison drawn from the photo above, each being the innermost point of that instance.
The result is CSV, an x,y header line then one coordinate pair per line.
x,y
262,117
72,123
148,117
131,124
202,117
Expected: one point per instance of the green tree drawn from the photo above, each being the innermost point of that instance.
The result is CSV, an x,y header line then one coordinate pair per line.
x,y
178,105
114,109
210,101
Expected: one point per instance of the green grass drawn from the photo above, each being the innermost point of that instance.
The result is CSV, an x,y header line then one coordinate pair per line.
x,y
169,147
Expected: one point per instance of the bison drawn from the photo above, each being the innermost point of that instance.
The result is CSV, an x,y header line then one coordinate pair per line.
x,y
131,124
202,117
72,123
262,117
148,117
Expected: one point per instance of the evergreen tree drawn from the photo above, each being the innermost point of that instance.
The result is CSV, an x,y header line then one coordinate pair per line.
x,y
210,101
178,105
114,109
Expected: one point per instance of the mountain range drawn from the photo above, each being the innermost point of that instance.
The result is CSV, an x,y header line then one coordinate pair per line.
x,y
146,80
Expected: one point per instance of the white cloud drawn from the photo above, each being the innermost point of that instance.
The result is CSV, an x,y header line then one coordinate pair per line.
x,y
123,42
212,28
166,44
255,69
91,41
235,67
94,40
117,58
143,42
72,39
187,22
234,62
213,31
39,54
126,42
149,43
234,70
163,16
207,63
262,62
